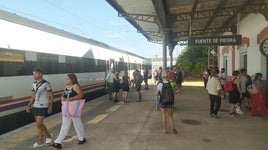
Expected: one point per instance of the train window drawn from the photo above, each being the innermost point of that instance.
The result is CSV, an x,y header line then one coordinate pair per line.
x,y
120,66
11,63
101,65
72,64
48,62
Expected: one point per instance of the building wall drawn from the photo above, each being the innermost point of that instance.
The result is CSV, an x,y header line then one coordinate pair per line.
x,y
249,28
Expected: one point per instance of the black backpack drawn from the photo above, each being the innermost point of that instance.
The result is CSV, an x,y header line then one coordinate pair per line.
x,y
167,94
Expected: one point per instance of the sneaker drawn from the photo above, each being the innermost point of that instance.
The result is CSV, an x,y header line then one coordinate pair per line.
x,y
82,142
48,140
57,145
232,115
239,111
36,145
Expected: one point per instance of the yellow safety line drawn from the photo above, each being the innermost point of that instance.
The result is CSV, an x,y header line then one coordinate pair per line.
x,y
97,119
114,108
13,140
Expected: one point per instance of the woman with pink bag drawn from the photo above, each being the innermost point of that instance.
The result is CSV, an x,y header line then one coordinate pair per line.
x,y
71,96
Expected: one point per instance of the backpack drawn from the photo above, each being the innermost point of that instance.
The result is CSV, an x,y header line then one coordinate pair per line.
x,y
228,86
167,94
252,89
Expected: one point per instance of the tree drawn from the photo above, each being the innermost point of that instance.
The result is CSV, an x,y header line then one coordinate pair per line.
x,y
193,60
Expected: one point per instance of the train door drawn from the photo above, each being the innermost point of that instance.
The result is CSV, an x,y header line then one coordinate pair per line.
x,y
111,65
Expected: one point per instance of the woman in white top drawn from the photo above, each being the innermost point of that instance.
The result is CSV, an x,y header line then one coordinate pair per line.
x,y
167,107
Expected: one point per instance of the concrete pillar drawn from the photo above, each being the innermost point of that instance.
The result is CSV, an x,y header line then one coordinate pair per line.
x,y
164,52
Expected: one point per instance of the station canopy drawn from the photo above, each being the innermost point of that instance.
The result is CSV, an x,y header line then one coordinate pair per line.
x,y
176,20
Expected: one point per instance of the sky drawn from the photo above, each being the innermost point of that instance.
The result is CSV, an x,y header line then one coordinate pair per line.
x,y
93,19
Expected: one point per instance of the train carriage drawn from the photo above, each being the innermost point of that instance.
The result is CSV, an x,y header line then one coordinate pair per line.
x,y
26,44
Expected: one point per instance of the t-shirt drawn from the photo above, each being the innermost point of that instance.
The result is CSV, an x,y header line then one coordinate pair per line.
x,y
160,85
171,76
222,77
109,77
213,86
243,82
41,90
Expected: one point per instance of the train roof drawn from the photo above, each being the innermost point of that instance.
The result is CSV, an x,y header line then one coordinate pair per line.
x,y
13,17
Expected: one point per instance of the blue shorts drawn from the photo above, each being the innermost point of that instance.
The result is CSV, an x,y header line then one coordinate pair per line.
x,y
39,111
138,88
165,105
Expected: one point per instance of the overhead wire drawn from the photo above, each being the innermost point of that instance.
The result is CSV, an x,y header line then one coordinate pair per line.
x,y
75,15
41,18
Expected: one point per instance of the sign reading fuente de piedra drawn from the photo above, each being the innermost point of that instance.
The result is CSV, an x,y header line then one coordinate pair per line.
x,y
215,40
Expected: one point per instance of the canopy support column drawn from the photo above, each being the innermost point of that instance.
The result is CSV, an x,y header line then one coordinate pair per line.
x,y
164,52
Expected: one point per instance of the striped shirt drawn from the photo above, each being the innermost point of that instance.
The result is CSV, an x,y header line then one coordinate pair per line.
x,y
41,97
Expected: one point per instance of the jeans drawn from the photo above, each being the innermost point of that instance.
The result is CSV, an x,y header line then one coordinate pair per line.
x,y
215,104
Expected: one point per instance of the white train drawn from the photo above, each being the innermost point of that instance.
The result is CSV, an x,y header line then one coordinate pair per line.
x,y
26,44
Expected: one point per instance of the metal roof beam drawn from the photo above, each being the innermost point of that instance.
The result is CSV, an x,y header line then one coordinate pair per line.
x,y
216,12
155,41
151,33
206,14
161,11
191,17
140,17
204,32
229,21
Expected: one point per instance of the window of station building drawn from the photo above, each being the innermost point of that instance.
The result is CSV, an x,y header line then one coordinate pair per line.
x,y
48,62
12,62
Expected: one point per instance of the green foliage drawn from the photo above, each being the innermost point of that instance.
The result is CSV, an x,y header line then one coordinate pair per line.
x,y
193,60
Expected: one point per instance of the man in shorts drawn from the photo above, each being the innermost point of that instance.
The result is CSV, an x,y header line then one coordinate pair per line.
x,y
42,102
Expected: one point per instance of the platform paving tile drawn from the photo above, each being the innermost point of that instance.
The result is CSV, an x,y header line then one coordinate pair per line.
x,y
136,126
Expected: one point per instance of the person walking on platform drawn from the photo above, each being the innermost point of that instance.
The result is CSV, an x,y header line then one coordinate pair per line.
x,y
166,93
72,92
42,102
223,79
205,77
134,75
109,80
235,95
245,81
145,77
258,97
116,87
214,90
178,80
139,80
125,86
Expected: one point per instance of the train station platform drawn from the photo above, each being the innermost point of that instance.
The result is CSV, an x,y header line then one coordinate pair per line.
x,y
137,125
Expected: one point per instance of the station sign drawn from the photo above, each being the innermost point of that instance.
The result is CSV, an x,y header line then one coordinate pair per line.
x,y
215,40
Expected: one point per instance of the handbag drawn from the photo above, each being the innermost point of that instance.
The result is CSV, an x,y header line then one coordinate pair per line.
x,y
72,108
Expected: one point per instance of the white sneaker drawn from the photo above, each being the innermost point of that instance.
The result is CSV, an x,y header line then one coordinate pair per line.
x,y
48,140
239,111
36,145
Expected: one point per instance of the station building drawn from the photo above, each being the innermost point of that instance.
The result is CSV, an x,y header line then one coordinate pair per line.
x,y
253,28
